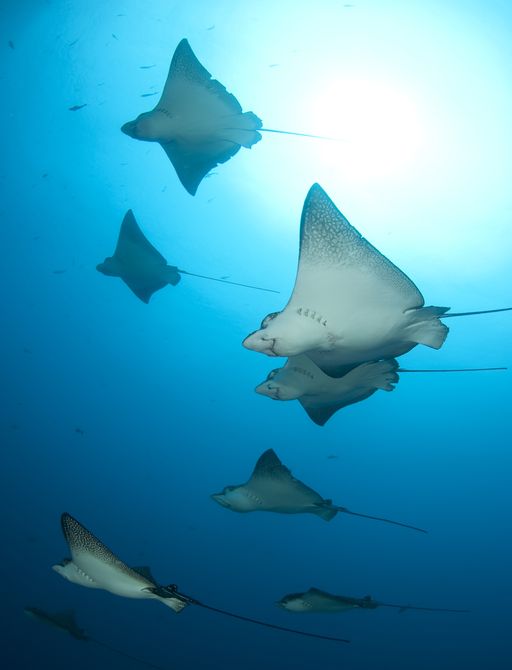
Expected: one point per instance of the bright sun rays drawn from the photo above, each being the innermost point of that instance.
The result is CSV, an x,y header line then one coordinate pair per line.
x,y
380,125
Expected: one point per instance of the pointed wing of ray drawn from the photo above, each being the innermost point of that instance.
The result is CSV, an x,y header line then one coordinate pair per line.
x,y
213,126
321,414
332,394
144,292
277,487
143,269
354,386
341,272
133,247
272,480
193,162
269,466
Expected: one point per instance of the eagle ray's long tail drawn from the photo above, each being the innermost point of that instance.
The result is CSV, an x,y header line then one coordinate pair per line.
x,y
226,281
379,518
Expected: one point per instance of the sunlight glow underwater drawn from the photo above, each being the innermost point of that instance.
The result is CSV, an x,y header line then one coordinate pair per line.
x,y
379,128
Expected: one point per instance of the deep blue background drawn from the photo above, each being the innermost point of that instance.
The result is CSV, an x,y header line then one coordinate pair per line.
x,y
164,393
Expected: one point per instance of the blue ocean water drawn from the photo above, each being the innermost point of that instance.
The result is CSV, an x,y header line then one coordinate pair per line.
x,y
128,416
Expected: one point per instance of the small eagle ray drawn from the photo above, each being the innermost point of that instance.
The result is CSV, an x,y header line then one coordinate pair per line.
x,y
317,601
65,621
322,396
93,565
142,268
273,488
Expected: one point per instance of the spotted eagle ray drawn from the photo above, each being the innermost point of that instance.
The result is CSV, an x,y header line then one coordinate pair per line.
x,y
350,304
197,122
93,565
142,268
273,488
316,601
65,621
322,396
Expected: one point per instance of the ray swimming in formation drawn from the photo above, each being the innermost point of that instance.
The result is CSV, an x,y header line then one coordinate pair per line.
x,y
65,621
93,565
273,488
142,268
322,396
316,601
350,304
196,121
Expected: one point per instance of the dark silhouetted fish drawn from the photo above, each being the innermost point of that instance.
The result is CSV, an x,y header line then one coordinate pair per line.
x,y
142,268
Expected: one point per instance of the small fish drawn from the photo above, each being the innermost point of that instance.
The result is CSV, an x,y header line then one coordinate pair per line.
x,y
59,272
75,108
72,44
114,36
148,95
211,27
11,44
80,431
146,67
